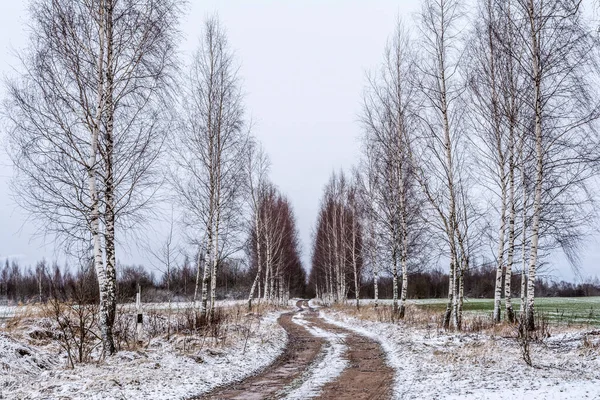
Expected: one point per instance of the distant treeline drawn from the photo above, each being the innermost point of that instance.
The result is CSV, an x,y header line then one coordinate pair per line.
x,y
25,284
479,283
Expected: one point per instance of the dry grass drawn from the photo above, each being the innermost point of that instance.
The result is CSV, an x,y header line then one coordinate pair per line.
x,y
385,313
180,328
429,319
591,341
475,353
24,315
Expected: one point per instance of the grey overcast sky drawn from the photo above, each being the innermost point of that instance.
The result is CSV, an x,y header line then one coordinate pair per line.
x,y
303,66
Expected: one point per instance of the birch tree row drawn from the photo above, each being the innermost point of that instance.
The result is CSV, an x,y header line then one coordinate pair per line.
x,y
207,173
479,133
220,178
531,77
337,252
274,249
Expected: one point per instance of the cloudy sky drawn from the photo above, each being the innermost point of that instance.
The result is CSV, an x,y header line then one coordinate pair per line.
x,y
303,64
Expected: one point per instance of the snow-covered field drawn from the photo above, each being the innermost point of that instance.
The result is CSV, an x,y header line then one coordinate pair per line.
x,y
34,368
11,311
432,364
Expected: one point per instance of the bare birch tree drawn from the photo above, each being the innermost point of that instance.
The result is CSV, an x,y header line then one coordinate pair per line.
x,y
274,248
337,248
368,182
209,156
257,168
495,82
439,153
355,242
560,60
87,118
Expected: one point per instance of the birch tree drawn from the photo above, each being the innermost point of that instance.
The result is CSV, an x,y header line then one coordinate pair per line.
x,y
497,90
439,154
356,231
87,119
209,156
274,248
257,167
367,182
389,121
337,247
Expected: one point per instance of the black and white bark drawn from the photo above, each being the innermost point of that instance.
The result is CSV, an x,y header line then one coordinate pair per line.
x,y
389,121
560,59
257,168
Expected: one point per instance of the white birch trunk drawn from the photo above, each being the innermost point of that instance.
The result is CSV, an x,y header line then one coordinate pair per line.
x,y
510,315
500,255
524,217
395,281
257,230
537,204
104,317
455,299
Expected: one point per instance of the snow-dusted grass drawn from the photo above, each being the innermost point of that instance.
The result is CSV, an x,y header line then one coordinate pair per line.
x,y
7,311
328,365
563,310
431,363
33,367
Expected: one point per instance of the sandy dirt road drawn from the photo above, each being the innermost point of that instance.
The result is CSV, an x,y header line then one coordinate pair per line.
x,y
366,375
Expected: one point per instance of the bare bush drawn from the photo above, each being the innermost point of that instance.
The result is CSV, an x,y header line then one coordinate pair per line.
x,y
77,325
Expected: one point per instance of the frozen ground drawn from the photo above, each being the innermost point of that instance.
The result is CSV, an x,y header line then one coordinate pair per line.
x,y
429,363
33,368
432,364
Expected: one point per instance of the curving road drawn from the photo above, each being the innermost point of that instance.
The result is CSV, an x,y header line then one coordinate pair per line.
x,y
321,361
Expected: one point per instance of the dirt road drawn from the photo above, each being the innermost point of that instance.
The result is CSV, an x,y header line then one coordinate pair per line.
x,y
303,370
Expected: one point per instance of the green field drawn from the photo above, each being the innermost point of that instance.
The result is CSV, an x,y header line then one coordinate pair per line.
x,y
563,310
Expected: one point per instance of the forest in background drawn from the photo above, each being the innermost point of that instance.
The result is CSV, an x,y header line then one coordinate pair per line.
x,y
27,285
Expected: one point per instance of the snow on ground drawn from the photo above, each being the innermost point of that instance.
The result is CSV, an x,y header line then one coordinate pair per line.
x,y
7,311
160,371
10,311
328,365
432,364
20,359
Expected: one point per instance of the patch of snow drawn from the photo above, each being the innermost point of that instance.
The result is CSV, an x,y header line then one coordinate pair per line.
x,y
18,360
7,311
328,366
314,303
434,364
